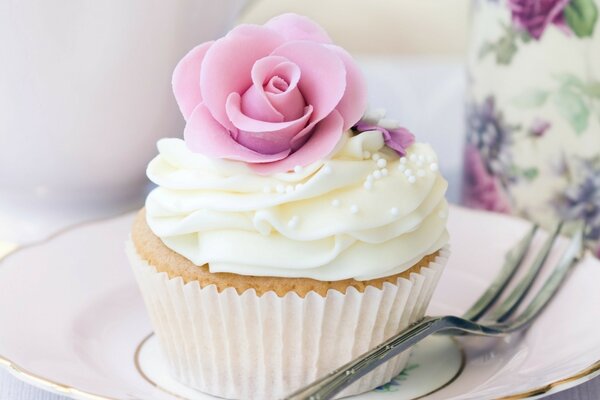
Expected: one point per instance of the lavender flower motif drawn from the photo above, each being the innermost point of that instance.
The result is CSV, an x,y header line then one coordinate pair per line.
x,y
481,190
492,137
581,198
539,127
394,136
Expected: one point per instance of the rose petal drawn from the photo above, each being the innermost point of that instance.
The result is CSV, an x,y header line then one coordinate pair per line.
x,y
273,107
203,134
323,80
354,103
255,104
296,27
186,79
323,141
262,136
228,64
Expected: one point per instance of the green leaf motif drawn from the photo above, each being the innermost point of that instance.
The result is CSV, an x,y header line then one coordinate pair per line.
x,y
531,99
572,107
530,173
506,48
581,16
592,89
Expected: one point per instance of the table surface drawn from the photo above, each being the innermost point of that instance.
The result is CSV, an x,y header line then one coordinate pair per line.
x,y
426,95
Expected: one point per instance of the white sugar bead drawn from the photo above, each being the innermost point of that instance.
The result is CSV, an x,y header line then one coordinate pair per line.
x,y
408,172
382,163
293,222
375,156
327,169
421,157
298,169
403,160
366,154
394,211
433,167
401,167
384,172
370,178
413,157
336,202
354,209
412,179
368,185
377,174
280,188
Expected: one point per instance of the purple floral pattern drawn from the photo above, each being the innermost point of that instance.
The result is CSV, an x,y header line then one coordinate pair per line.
x,y
531,132
534,16
581,198
531,18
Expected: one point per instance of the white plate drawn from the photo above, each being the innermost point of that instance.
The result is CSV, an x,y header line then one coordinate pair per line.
x,y
71,319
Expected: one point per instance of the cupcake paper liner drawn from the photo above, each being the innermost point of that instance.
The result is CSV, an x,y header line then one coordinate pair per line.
x,y
245,346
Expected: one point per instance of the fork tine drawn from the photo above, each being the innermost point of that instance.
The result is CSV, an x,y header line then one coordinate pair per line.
x,y
570,257
513,261
510,304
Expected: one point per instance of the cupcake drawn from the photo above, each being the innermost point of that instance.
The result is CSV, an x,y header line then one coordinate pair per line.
x,y
290,231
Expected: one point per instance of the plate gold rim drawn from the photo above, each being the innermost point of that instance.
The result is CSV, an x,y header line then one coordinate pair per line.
x,y
57,387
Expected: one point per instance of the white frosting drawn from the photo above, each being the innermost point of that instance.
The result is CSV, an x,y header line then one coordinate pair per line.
x,y
352,216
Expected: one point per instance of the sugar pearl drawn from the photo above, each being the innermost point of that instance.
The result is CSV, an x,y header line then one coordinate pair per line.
x,y
354,209
375,157
408,172
384,172
293,222
377,174
366,154
298,169
280,188
394,211
433,167
401,167
327,169
402,160
382,163
368,185
336,202
413,157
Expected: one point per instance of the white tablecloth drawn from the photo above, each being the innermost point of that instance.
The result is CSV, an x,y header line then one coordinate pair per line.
x,y
427,97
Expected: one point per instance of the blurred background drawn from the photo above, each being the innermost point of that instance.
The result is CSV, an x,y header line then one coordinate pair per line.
x,y
511,106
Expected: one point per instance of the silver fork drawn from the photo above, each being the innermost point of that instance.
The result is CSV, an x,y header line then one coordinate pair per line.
x,y
480,319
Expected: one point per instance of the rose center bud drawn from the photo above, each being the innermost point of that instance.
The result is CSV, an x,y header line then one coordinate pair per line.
x,y
276,85
274,95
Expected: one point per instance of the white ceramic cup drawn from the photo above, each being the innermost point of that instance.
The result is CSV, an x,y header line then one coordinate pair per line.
x,y
85,92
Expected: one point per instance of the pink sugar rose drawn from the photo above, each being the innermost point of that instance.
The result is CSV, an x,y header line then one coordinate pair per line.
x,y
274,96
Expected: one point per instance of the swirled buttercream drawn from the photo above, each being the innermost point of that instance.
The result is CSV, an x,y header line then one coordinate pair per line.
x,y
364,213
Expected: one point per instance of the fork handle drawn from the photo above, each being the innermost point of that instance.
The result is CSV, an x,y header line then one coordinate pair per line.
x,y
331,384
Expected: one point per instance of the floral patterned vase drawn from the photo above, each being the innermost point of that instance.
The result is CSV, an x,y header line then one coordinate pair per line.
x,y
533,118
